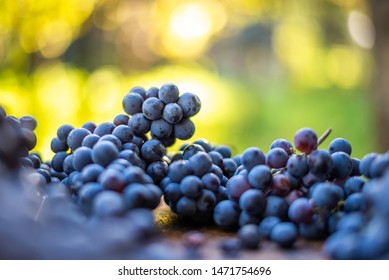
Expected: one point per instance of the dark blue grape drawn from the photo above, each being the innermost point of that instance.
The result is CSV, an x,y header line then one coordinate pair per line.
x,y
168,93
172,113
91,172
333,221
252,157
311,179
87,194
58,160
172,192
280,185
152,108
186,206
353,221
161,129
200,163
300,211
152,150
82,157
207,201
121,119
132,103
353,185
379,165
104,129
104,152
229,167
139,90
139,196
68,164
91,126
260,177
152,92
295,182
342,246
167,141
112,179
107,204
340,145
178,170
123,133
238,160
283,144
249,236
184,129
297,165
58,145
217,158
90,140
320,162
28,122
236,186
191,186
305,140
276,206
342,165
211,182
355,202
63,132
230,246
253,201
327,195
224,150
190,150
267,225
139,124
355,171
226,214
364,165
28,138
284,234
157,170
314,230
76,136
190,104
217,171
3,113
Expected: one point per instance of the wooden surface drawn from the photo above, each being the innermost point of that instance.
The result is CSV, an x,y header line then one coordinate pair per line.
x,y
173,229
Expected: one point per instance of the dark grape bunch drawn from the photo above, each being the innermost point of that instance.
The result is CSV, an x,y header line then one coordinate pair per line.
x,y
163,112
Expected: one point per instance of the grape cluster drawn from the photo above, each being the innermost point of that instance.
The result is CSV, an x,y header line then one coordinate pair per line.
x,y
104,180
17,140
196,179
162,112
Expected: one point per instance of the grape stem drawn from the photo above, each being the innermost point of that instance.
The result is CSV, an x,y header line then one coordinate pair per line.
x,y
324,136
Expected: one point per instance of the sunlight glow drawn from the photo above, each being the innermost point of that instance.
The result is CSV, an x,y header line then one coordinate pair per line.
x,y
191,21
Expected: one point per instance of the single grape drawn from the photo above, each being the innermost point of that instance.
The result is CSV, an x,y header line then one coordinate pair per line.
x,y
152,108
249,236
172,113
253,156
305,140
190,104
284,234
132,103
184,129
168,93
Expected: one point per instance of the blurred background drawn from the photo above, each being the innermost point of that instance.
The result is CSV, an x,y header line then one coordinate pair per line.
x,y
263,69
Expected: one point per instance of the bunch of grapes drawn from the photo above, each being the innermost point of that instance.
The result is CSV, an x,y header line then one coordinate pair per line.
x,y
162,112
107,178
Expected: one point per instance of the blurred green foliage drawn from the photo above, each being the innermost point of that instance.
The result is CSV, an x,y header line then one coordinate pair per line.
x,y
263,69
